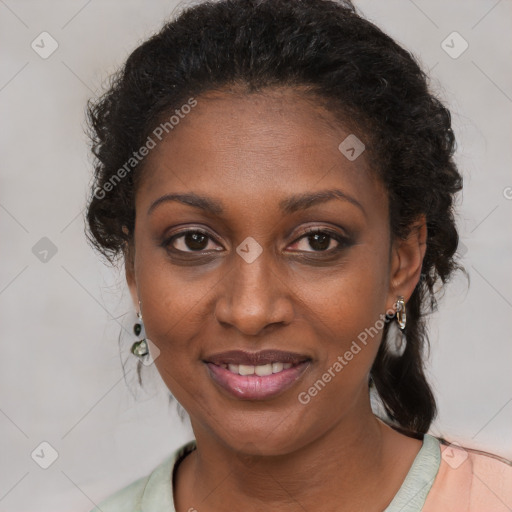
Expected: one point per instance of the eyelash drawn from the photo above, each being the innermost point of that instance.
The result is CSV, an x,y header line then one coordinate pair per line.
x,y
342,241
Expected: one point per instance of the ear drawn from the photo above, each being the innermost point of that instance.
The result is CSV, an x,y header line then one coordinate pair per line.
x,y
129,265
132,284
406,262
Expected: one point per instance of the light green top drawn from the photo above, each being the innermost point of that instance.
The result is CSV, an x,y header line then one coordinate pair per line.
x,y
153,493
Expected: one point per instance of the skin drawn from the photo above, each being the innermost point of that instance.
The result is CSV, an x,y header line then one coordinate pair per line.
x,y
249,152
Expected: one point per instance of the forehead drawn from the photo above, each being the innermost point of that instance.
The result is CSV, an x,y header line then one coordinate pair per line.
x,y
256,147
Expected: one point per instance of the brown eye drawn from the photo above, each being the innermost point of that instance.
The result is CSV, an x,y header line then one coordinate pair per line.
x,y
189,241
320,240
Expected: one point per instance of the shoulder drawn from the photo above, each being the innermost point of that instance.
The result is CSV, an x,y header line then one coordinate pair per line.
x,y
469,480
491,480
153,490
126,499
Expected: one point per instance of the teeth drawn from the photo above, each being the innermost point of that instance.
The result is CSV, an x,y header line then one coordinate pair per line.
x,y
260,370
245,369
277,367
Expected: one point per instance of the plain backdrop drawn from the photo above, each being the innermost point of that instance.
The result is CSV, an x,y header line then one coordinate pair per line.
x,y
61,379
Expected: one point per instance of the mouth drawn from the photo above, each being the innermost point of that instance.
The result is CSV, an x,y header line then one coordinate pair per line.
x,y
261,370
256,376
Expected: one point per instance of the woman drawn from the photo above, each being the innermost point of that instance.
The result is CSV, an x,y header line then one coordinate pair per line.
x,y
279,183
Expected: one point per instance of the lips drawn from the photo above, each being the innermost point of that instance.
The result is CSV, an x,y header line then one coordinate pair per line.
x,y
256,375
256,387
262,357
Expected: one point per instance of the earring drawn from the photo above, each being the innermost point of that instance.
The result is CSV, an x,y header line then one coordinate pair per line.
x,y
140,348
401,316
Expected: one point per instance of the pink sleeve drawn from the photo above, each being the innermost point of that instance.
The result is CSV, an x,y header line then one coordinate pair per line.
x,y
469,481
492,484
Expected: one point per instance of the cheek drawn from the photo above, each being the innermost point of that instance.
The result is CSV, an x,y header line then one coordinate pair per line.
x,y
348,333
351,330
177,312
172,316
172,310
171,297
347,311
352,296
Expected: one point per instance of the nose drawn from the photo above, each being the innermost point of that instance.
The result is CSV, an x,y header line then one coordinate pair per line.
x,y
254,297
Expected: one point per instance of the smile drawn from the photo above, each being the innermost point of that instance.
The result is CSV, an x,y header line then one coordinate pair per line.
x,y
261,370
258,382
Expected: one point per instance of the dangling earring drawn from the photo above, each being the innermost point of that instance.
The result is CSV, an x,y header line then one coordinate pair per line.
x,y
398,342
140,348
401,317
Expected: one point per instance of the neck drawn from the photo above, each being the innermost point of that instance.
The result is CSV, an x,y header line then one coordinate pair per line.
x,y
356,450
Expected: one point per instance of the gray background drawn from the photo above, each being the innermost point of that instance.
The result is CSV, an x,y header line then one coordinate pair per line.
x,y
61,379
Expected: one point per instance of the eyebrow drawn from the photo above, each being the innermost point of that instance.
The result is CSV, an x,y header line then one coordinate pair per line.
x,y
288,206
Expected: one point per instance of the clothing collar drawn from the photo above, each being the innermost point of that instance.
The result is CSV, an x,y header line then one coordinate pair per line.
x,y
158,492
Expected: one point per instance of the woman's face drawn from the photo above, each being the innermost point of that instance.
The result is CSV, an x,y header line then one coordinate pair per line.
x,y
236,269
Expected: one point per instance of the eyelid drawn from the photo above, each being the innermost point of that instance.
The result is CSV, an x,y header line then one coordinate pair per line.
x,y
316,229
341,239
171,238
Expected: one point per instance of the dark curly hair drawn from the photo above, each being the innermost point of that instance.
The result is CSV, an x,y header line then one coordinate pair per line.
x,y
328,51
